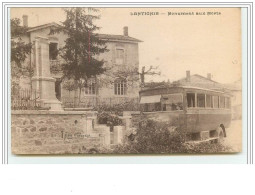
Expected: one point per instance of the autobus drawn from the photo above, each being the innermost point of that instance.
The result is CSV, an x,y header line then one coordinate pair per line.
x,y
203,114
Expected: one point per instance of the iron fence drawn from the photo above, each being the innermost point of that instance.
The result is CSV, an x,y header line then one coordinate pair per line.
x,y
121,103
25,99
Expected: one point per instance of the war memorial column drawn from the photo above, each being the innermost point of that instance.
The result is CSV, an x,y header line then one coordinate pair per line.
x,y
42,80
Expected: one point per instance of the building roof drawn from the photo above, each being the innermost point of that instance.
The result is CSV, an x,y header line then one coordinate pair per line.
x,y
101,36
196,80
236,86
198,76
118,37
166,85
31,29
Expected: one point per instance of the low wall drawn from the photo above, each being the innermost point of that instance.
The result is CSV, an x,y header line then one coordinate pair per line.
x,y
54,132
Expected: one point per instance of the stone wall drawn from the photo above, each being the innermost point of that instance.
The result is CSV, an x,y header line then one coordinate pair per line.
x,y
56,132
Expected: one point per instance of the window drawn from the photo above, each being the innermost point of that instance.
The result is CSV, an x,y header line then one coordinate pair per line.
x,y
216,101
209,102
90,88
201,100
119,56
222,102
53,51
120,87
191,99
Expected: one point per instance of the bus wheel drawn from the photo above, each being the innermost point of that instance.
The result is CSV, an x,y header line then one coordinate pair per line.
x,y
220,134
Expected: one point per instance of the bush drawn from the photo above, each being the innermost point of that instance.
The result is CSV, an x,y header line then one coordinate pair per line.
x,y
156,138
153,138
116,110
109,119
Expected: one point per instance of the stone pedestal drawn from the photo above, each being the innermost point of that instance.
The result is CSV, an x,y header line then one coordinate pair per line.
x,y
90,124
107,137
118,134
42,81
127,122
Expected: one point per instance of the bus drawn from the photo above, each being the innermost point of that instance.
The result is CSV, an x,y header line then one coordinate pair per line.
x,y
203,114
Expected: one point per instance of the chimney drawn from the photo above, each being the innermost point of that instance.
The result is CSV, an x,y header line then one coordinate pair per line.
x,y
209,76
25,20
188,75
125,31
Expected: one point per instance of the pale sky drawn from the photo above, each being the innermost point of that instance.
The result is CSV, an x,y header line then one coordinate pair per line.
x,y
199,43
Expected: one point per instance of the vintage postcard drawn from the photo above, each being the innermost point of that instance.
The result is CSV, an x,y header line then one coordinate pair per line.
x,y
126,80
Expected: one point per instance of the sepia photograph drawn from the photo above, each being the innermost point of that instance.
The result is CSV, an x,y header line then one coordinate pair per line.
x,y
125,81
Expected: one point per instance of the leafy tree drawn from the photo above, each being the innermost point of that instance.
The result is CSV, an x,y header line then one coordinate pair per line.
x,y
81,47
70,85
19,52
19,49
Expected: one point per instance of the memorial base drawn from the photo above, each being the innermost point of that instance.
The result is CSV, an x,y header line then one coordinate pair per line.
x,y
46,88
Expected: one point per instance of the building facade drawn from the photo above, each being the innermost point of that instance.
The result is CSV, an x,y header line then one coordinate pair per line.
x,y
110,87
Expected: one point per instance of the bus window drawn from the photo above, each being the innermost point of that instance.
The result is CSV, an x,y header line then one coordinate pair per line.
x,y
227,102
209,102
157,107
222,102
191,99
201,100
151,107
164,107
146,107
216,101
172,102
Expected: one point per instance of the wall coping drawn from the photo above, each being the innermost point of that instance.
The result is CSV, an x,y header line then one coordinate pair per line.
x,y
49,112
129,113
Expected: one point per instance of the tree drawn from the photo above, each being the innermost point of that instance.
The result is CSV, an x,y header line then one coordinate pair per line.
x,y
81,46
19,49
132,74
70,85
19,52
150,71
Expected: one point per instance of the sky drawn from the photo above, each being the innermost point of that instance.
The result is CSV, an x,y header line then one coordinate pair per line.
x,y
175,43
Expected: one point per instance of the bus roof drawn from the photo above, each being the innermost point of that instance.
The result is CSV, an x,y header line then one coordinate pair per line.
x,y
185,87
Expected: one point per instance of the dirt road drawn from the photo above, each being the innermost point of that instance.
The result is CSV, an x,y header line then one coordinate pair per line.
x,y
234,135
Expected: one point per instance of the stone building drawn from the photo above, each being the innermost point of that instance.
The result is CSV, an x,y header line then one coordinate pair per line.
x,y
122,55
